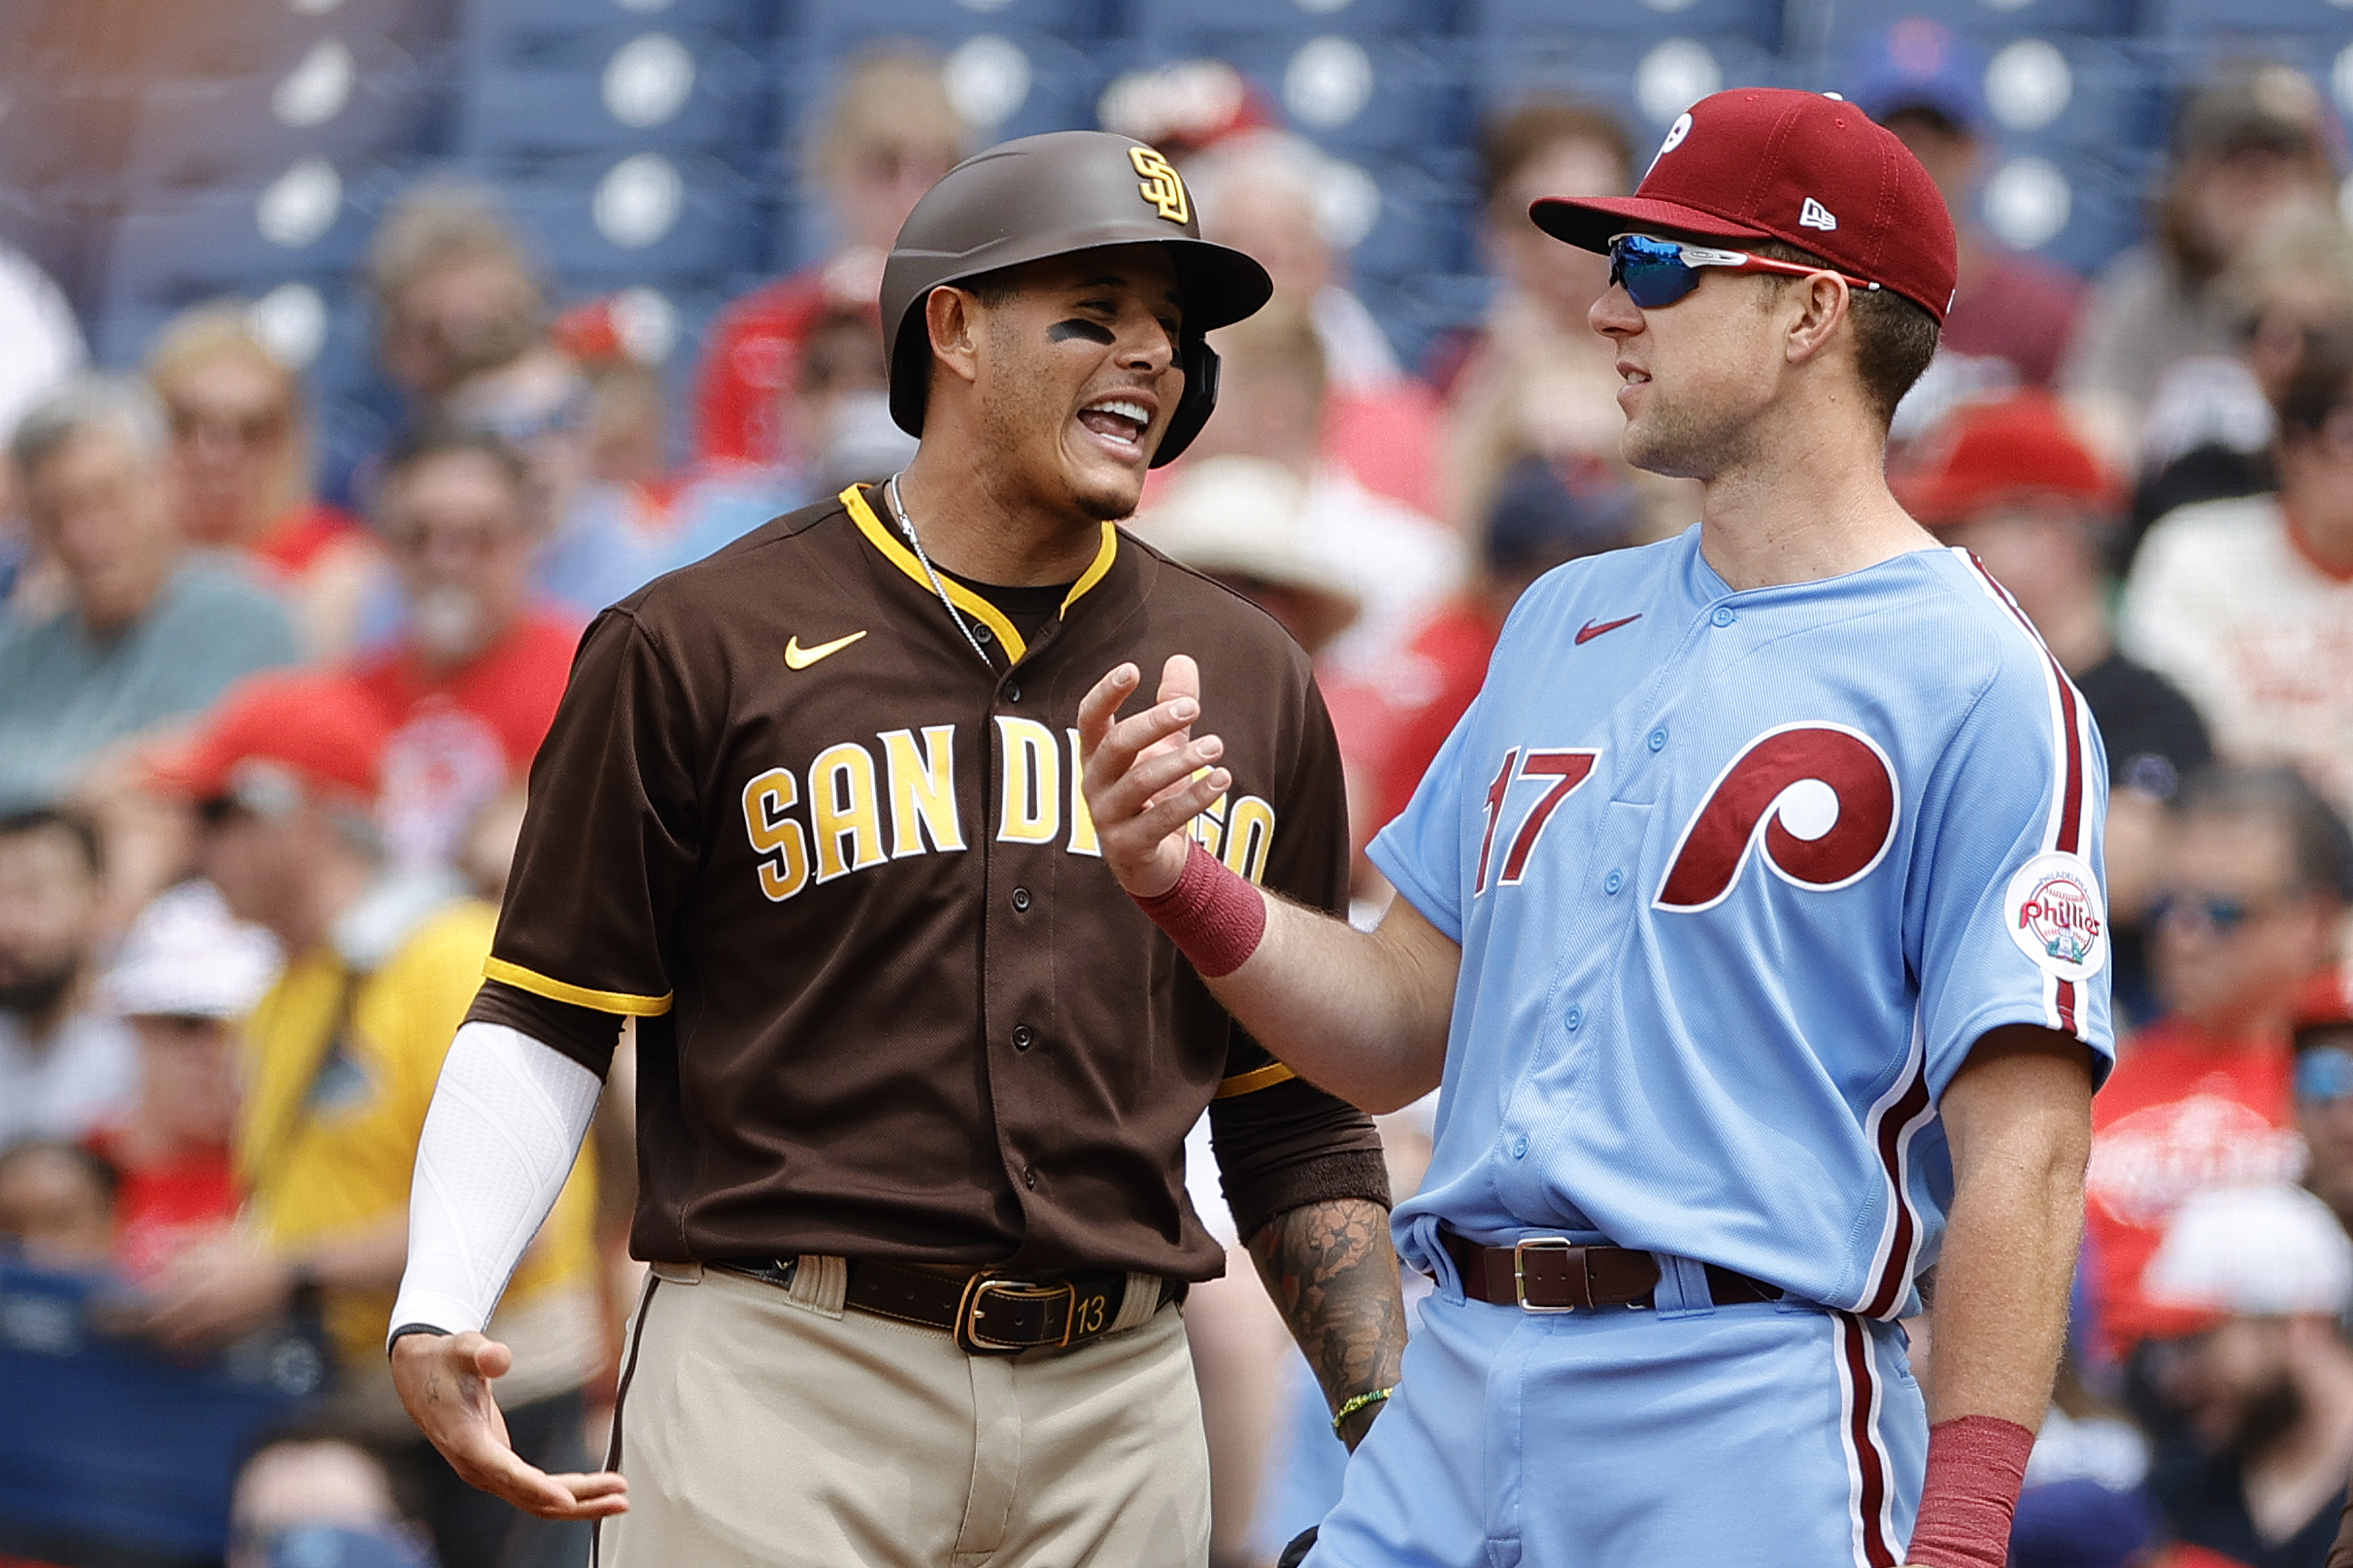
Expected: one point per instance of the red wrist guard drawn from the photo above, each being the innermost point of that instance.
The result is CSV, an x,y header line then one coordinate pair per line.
x,y
1976,1465
1215,917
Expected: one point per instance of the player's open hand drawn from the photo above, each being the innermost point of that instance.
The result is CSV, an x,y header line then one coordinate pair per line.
x,y
1148,776
445,1381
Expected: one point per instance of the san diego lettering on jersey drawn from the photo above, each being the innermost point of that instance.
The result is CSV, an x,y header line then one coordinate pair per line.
x,y
831,820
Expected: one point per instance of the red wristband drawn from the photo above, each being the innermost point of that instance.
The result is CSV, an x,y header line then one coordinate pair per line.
x,y
1215,917
1975,1466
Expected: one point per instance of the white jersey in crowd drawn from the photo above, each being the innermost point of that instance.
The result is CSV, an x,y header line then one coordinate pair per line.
x,y
2226,603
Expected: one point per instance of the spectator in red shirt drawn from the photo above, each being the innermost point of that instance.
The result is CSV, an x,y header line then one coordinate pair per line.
x,y
471,685
1543,518
241,470
2201,1098
188,972
891,133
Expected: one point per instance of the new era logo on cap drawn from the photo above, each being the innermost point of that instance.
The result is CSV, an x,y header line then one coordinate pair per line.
x,y
1814,215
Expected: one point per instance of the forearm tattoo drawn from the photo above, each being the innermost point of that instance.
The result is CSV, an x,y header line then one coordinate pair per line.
x,y
1334,1277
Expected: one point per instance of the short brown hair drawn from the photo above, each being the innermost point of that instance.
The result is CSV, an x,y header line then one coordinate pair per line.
x,y
1894,337
2322,380
1511,140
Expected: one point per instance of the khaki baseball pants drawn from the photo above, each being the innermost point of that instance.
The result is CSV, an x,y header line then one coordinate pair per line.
x,y
760,1428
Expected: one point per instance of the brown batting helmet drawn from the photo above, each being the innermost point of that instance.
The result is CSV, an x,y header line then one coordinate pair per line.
x,y
1049,195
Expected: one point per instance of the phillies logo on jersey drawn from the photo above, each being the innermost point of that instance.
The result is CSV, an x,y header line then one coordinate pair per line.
x,y
2056,917
1817,799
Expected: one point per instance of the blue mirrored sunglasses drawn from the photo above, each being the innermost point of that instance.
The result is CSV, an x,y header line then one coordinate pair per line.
x,y
1661,272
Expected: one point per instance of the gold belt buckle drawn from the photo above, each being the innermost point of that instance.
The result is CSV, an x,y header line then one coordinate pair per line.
x,y
971,1338
1519,1269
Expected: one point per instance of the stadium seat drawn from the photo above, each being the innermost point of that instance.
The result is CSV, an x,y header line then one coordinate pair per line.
x,y
2209,21
240,38
646,217
1648,82
739,19
1352,94
1837,22
109,1450
1419,227
1758,23
308,223
1204,24
1006,82
656,91
828,24
2078,211
207,131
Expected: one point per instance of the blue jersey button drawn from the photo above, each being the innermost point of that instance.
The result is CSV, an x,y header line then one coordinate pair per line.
x,y
1519,1146
1573,1017
1658,739
1613,881
1723,615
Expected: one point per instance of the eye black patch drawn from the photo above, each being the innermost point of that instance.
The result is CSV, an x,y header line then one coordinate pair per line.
x,y
1065,331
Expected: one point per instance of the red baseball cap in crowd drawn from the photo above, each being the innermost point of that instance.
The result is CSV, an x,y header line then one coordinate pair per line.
x,y
2324,1004
2019,448
1759,163
320,732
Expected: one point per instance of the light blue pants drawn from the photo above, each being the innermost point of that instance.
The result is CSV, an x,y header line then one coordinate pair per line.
x,y
1767,1436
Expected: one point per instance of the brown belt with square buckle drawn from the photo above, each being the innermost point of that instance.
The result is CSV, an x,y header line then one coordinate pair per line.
x,y
990,1314
1553,1274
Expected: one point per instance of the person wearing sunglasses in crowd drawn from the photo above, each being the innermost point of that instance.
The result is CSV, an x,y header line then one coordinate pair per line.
x,y
1752,916
2257,887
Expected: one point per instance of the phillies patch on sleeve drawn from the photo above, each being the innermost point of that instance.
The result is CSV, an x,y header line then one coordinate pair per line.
x,y
2056,915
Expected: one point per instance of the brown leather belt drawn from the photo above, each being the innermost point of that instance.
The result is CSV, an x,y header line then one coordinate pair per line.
x,y
990,1314
1553,1274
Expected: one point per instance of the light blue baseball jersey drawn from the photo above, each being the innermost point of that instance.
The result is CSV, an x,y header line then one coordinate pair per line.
x,y
1739,878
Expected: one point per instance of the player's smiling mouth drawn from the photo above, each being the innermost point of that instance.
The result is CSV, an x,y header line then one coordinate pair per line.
x,y
1118,422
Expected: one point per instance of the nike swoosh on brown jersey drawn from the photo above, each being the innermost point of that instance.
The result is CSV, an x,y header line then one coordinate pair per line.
x,y
800,659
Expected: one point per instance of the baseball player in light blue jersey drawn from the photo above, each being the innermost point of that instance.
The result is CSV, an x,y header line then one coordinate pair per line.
x,y
1753,918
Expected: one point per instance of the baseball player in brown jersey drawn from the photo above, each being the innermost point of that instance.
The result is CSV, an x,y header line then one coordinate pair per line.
x,y
913,1073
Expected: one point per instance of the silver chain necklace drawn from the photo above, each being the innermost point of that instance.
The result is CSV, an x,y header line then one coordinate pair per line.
x,y
906,525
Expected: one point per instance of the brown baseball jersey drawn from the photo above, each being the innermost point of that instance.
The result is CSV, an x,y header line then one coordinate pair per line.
x,y
891,1002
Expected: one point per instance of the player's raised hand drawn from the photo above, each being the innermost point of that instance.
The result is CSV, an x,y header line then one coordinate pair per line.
x,y
445,1382
1139,772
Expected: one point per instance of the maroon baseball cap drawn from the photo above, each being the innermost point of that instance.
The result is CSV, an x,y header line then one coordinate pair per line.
x,y
1758,163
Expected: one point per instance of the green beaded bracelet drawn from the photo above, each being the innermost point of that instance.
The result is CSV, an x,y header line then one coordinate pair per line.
x,y
1358,1402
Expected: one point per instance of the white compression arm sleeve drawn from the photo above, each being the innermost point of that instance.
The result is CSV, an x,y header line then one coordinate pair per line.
x,y
506,1123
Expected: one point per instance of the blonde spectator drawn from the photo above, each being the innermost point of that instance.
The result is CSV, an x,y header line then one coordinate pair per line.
x,y
241,469
891,132
1536,380
1271,195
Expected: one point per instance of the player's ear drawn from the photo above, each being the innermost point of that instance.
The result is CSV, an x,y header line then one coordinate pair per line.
x,y
951,316
1816,306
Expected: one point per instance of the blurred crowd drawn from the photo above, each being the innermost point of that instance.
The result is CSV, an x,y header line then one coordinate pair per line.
x,y
263,756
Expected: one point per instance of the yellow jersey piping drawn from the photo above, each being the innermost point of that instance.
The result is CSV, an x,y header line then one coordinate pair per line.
x,y
555,990
1256,1079
894,550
